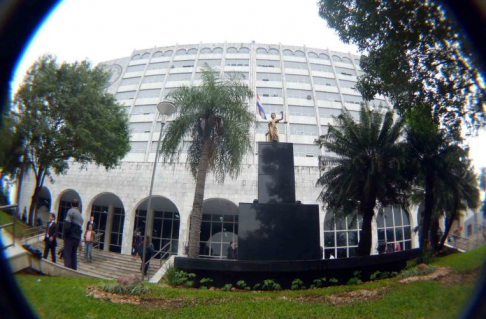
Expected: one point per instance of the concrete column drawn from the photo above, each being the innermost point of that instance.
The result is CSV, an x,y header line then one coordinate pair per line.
x,y
109,225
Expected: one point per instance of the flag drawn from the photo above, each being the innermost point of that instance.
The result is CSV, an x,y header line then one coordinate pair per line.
x,y
260,108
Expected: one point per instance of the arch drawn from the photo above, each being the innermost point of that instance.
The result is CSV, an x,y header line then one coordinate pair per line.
x,y
335,58
136,57
43,206
262,51
232,50
347,60
273,51
158,54
165,224
356,61
287,52
206,50
145,56
181,52
313,55
244,50
217,50
299,53
109,217
219,227
65,199
168,53
192,51
323,56
341,234
394,227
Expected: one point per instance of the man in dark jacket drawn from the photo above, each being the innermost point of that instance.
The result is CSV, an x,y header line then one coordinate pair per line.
x,y
73,228
50,238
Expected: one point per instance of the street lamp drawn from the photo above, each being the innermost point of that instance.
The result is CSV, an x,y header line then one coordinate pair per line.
x,y
165,109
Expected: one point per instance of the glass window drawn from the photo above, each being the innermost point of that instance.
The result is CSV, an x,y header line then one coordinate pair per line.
x,y
159,65
232,50
262,127
313,55
352,99
237,62
165,232
135,68
179,77
269,92
287,52
217,50
356,61
145,56
158,54
244,50
268,63
347,84
273,52
191,51
324,81
130,95
295,65
206,50
181,52
130,81
297,78
144,109
392,224
154,78
299,53
306,150
144,94
344,71
326,96
324,129
138,147
183,64
301,110
238,75
299,94
323,56
168,53
335,58
269,76
136,57
328,113
303,129
202,62
340,231
143,127
321,68
272,108
262,51
347,60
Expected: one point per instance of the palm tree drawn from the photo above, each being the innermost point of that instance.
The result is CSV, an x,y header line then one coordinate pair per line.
x,y
217,118
368,168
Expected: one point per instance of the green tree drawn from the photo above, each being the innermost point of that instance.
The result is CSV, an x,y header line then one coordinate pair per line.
x,y
368,169
217,118
62,113
414,54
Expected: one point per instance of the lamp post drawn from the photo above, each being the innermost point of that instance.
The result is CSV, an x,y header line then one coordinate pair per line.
x,y
165,109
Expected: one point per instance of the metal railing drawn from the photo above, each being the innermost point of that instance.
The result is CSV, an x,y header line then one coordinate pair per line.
x,y
5,208
162,254
97,241
32,233
458,242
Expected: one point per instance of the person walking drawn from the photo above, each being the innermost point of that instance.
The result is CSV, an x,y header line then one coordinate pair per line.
x,y
137,243
89,237
73,225
50,238
149,251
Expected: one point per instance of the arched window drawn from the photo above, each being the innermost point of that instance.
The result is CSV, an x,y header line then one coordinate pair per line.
x,y
299,53
393,225
288,52
192,51
323,56
217,50
356,61
347,60
335,58
273,51
232,50
158,54
136,57
244,50
206,50
262,51
168,53
181,52
313,55
341,234
145,56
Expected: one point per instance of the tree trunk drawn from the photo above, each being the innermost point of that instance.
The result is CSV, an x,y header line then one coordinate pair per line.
x,y
427,214
434,233
446,232
39,181
367,209
197,204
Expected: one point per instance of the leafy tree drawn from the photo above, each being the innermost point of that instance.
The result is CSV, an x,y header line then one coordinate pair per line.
x,y
216,116
62,113
368,169
414,55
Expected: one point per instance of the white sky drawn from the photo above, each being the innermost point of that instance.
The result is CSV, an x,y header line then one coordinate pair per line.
x,y
102,30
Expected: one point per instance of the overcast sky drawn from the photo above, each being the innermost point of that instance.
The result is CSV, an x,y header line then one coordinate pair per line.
x,y
102,30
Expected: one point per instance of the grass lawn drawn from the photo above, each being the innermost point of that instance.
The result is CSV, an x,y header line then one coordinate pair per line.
x,y
20,227
66,297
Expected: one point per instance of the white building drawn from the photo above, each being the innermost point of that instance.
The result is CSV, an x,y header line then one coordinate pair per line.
x,y
309,85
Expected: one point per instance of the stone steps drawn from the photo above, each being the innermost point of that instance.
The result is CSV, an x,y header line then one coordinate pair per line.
x,y
106,264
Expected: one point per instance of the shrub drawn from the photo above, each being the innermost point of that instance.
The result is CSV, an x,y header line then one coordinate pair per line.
x,y
356,280
333,281
270,284
416,271
175,277
206,282
317,283
382,275
227,287
134,289
297,284
241,284
257,287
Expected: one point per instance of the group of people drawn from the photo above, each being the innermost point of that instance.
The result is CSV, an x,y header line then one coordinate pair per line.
x,y
73,232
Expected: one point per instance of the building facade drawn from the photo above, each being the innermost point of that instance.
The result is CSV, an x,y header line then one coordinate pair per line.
x,y
309,85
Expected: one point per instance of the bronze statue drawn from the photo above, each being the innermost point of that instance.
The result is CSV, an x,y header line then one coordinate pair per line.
x,y
272,134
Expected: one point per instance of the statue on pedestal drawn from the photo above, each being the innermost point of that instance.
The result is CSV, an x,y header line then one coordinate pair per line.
x,y
272,134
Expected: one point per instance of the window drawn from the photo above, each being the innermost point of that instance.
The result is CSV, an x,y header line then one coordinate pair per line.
x,y
273,108
273,52
135,68
158,54
145,56
231,50
145,94
144,127
179,77
295,65
299,53
341,234
335,58
324,81
183,64
154,78
304,150
206,50
356,61
138,147
236,62
181,52
209,62
136,57
393,225
144,109
302,129
313,55
125,95
324,129
192,51
165,228
168,53
344,71
130,81
238,75
328,113
244,50
326,96
301,110
269,92
185,146
287,52
268,63
347,60
347,84
218,229
321,68
324,56
299,94
217,50
262,51
297,78
157,66
352,99
262,127
269,76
